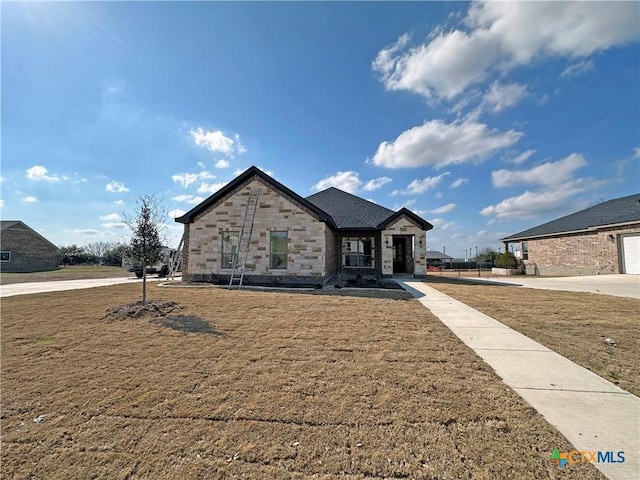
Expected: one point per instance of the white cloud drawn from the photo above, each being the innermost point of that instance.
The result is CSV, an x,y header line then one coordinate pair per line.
x,y
523,157
549,173
636,152
444,209
222,163
217,141
349,181
438,195
176,213
40,173
115,225
531,204
111,217
116,187
188,199
375,184
187,179
1,203
406,204
420,186
211,187
459,182
499,97
577,69
500,36
91,232
30,199
119,202
438,143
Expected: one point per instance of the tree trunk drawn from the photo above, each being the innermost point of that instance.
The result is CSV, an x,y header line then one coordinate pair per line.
x,y
144,285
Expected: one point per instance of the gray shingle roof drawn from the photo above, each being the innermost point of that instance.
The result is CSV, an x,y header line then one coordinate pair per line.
x,y
619,210
350,211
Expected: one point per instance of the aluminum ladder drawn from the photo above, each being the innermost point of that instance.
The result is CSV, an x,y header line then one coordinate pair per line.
x,y
176,260
244,241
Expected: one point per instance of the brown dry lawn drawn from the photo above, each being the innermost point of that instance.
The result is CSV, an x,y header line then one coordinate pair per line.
x,y
264,386
79,272
573,324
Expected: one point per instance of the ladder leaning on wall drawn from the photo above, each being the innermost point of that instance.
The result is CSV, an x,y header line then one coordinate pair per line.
x,y
176,260
244,241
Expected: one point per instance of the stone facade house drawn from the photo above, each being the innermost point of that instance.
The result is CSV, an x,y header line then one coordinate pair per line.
x,y
22,249
601,239
298,240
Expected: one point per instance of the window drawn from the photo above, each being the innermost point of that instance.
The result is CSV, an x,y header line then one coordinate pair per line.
x,y
5,256
279,248
229,248
525,250
358,252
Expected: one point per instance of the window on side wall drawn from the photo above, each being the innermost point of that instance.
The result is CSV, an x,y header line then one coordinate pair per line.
x,y
229,248
279,247
525,250
358,252
5,256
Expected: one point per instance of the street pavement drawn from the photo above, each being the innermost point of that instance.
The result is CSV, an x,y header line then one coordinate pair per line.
x,y
41,287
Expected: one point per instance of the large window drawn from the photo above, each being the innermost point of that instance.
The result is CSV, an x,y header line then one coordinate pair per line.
x,y
229,248
525,250
279,248
358,252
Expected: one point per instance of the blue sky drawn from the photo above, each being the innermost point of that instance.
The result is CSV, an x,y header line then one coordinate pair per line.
x,y
485,119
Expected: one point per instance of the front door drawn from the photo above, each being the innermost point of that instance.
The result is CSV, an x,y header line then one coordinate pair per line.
x,y
399,255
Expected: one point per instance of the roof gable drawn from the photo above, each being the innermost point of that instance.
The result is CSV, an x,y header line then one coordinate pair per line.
x,y
20,225
244,178
404,211
613,212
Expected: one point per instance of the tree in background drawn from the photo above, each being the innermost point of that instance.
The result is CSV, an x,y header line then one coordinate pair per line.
x,y
99,250
506,260
146,225
487,255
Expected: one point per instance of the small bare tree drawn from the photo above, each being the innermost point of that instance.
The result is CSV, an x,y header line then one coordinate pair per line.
x,y
146,225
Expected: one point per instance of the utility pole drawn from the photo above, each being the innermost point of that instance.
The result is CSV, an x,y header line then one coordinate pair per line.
x,y
477,264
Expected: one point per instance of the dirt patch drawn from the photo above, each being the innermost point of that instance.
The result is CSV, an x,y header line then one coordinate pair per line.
x,y
187,323
152,308
574,324
294,386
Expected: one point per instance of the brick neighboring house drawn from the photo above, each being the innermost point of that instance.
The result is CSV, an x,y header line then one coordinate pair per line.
x,y
299,240
25,250
601,239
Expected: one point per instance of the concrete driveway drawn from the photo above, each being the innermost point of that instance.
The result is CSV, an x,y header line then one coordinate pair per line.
x,y
617,285
58,286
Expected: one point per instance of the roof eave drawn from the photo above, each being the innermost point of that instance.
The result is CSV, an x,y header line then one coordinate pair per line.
x,y
568,232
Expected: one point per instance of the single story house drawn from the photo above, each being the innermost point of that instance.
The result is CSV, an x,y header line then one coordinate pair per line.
x,y
601,239
434,257
298,240
22,249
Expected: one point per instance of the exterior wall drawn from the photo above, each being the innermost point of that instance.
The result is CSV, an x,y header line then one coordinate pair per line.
x,y
330,252
29,251
579,254
306,238
404,226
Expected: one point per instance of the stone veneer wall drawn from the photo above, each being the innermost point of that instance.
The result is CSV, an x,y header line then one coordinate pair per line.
x,y
275,212
29,251
579,254
404,226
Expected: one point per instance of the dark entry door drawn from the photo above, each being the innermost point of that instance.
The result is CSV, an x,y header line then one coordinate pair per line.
x,y
399,255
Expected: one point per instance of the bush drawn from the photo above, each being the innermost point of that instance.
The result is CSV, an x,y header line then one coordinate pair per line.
x,y
506,260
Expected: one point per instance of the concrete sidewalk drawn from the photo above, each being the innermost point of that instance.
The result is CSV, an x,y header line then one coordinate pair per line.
x,y
592,413
13,289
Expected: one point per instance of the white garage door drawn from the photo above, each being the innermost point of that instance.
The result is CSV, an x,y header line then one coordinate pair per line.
x,y
631,253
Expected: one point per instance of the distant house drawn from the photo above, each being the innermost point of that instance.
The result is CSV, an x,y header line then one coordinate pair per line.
x,y
604,238
298,240
22,249
437,258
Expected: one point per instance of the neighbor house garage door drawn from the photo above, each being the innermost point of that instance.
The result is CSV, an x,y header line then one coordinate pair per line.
x,y
631,253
